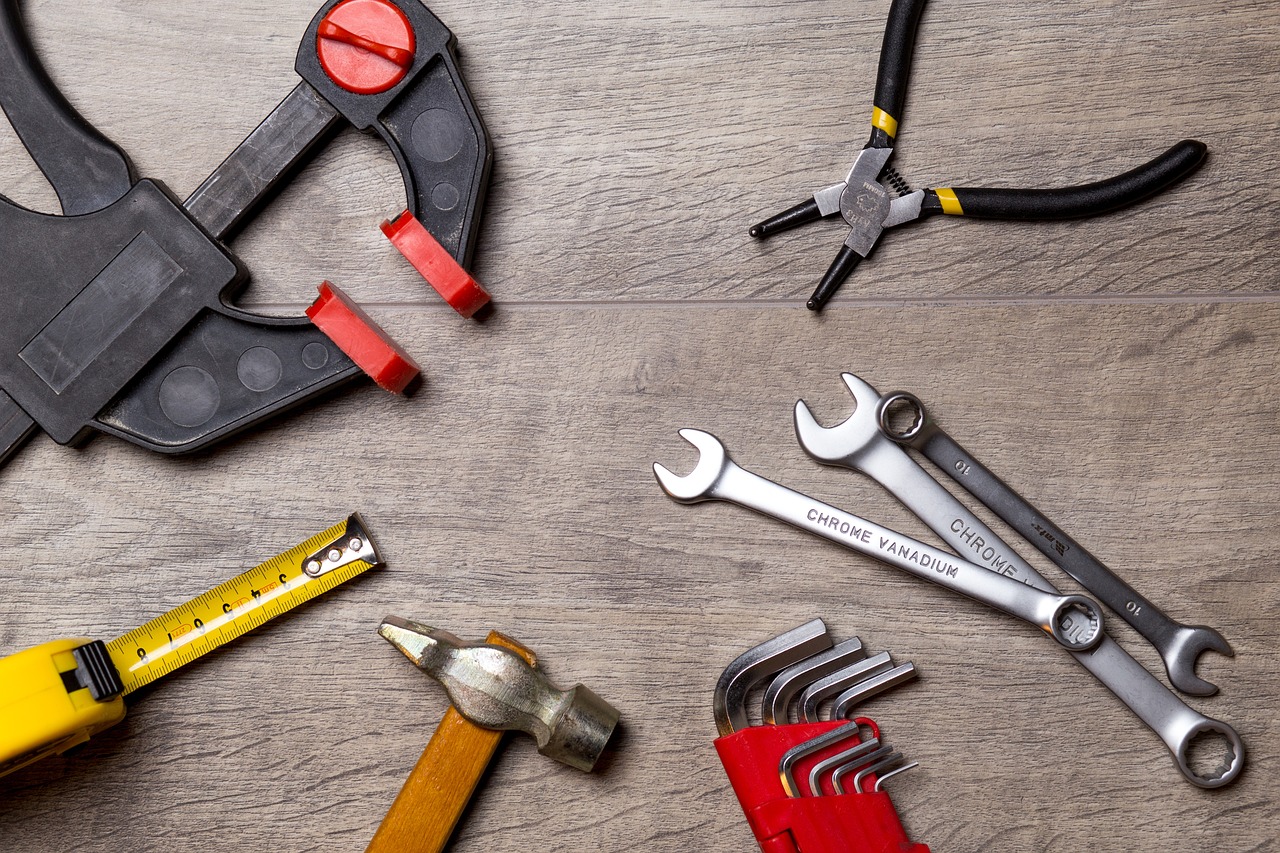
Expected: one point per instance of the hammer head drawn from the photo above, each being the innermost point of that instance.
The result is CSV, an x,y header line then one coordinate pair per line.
x,y
497,688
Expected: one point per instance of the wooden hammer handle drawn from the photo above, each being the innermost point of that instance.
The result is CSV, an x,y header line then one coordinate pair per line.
x,y
435,795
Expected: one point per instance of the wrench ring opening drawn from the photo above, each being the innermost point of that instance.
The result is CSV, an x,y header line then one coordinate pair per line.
x,y
1077,623
1227,770
884,415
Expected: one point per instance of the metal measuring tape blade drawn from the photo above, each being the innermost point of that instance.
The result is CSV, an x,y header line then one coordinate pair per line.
x,y
57,695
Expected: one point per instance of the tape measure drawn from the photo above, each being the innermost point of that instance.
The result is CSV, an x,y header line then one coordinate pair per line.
x,y
59,694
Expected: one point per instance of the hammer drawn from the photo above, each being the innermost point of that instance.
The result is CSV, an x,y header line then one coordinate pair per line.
x,y
494,686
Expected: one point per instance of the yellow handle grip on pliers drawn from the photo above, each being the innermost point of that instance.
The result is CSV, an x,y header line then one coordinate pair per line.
x,y
45,708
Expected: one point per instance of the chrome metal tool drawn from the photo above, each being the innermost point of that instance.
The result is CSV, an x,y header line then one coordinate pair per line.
x,y
822,689
754,666
1074,621
793,680
866,751
803,668
495,688
766,763
859,443
1179,645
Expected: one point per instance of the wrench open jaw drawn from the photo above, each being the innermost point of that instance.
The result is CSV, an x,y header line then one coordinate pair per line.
x,y
1182,651
843,443
699,484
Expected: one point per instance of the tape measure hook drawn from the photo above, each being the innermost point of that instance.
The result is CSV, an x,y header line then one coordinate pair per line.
x,y
352,546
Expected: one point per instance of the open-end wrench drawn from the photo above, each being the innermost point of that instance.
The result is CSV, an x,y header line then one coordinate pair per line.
x,y
1179,645
1073,620
859,443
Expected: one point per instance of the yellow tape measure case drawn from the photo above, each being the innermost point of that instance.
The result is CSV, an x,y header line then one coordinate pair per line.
x,y
47,707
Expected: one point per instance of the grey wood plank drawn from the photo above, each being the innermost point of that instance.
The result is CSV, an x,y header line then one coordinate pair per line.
x,y
636,144
515,492
1113,369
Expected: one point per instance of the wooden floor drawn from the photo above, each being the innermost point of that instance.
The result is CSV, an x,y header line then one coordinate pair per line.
x,y
1119,371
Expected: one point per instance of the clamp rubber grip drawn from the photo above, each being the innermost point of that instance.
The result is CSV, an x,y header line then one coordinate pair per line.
x,y
87,170
463,293
1070,202
363,340
894,71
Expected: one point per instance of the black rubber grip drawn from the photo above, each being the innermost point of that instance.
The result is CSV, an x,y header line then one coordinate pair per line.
x,y
1085,200
895,64
227,372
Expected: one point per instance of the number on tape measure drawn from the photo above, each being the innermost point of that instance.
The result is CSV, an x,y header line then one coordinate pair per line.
x,y
236,607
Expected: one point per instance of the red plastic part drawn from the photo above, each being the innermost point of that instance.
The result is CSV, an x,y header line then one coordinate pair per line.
x,y
363,340
365,46
435,264
850,823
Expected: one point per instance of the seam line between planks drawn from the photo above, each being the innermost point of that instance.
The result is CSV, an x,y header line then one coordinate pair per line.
x,y
844,305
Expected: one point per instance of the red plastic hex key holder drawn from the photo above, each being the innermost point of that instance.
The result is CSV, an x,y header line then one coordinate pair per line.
x,y
846,823
364,341
435,264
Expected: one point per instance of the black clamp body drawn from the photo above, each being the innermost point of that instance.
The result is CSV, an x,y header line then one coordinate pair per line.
x,y
117,314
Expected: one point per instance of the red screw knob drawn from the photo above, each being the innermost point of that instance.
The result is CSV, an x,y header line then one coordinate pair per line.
x,y
365,46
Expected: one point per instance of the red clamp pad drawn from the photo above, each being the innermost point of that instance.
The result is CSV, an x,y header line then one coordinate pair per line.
x,y
435,264
851,823
363,340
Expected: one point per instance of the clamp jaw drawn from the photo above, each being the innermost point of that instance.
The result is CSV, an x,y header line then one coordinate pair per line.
x,y
118,315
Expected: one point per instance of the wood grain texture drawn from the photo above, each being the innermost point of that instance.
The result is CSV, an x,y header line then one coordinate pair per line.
x,y
1120,372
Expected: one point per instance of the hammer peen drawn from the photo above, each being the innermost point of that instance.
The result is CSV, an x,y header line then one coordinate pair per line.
x,y
494,686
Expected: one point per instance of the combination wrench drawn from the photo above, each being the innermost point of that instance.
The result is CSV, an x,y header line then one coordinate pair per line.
x,y
859,443
1073,620
1179,645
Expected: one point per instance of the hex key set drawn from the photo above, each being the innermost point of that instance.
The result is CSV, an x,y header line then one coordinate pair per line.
x,y
814,785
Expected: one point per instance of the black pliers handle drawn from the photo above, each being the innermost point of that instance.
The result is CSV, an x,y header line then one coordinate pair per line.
x,y
1070,202
866,198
